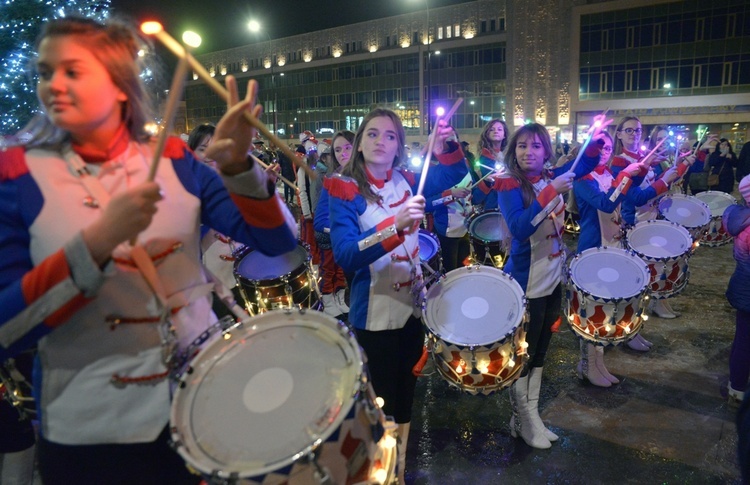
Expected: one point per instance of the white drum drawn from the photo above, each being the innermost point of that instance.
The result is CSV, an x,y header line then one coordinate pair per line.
x,y
282,399
665,247
687,211
717,203
606,294
475,319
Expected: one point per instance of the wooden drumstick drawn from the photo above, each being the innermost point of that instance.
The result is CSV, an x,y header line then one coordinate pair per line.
x,y
156,29
281,177
431,144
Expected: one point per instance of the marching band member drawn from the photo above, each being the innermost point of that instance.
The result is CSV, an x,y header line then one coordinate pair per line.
x,y
107,315
530,200
492,142
374,218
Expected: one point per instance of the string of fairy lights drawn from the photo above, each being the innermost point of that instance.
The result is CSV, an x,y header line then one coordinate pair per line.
x,y
20,21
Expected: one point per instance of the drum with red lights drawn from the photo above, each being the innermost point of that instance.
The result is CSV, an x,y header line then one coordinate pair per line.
x,y
475,319
282,398
605,295
489,237
666,248
717,203
688,211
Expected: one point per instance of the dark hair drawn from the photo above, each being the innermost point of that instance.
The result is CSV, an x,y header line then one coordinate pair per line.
x,y
116,45
484,139
349,135
199,133
652,141
356,166
729,144
300,149
618,143
511,162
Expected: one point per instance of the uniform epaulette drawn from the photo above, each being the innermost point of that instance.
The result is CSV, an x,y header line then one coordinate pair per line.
x,y
344,188
506,182
12,163
411,177
588,176
175,147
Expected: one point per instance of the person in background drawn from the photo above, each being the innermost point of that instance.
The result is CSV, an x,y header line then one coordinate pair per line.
x,y
697,177
199,140
530,200
743,163
110,325
659,133
374,231
287,171
736,219
722,162
492,143
332,279
309,191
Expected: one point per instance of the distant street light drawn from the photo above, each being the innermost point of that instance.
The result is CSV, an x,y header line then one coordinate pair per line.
x,y
256,27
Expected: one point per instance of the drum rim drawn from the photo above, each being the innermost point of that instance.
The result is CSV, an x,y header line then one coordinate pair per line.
x,y
239,253
433,239
721,195
179,429
659,222
470,223
456,273
687,198
628,253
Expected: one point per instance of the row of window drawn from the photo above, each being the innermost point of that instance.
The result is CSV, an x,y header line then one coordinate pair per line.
x,y
667,78
665,31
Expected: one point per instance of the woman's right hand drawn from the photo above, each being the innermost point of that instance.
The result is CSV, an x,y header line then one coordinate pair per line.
x,y
564,182
127,215
410,213
633,169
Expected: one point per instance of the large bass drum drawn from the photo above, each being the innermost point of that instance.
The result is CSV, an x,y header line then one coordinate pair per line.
x,y
282,399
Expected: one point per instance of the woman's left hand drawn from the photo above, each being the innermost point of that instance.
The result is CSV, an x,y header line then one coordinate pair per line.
x,y
234,133
600,126
443,132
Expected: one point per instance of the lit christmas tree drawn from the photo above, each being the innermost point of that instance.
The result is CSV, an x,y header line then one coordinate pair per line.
x,y
20,22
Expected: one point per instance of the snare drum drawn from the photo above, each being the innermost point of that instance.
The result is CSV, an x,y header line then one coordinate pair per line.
x,y
606,295
666,248
687,211
430,257
475,319
284,398
717,203
270,282
489,237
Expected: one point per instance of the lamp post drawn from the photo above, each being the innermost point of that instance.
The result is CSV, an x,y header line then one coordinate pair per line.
x,y
426,72
255,27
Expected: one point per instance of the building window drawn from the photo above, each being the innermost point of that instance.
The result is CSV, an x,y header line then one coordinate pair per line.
x,y
726,74
457,30
629,80
654,84
657,34
483,27
630,38
501,22
731,25
697,76
605,39
448,32
603,82
440,33
492,25
700,29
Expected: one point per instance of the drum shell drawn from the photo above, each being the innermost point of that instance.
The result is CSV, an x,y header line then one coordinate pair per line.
x,y
607,320
490,248
430,257
717,202
480,367
347,439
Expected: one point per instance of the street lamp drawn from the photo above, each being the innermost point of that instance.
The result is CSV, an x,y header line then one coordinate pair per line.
x,y
427,73
255,27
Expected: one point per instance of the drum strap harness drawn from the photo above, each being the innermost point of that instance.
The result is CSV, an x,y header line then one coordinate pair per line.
x,y
99,198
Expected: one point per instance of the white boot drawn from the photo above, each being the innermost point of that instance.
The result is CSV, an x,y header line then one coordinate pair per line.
x,y
587,368
17,468
659,308
602,368
329,305
639,343
340,297
403,440
669,308
522,424
535,385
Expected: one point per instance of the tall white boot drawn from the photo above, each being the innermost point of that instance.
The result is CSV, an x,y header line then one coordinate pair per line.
x,y
17,468
587,368
340,298
639,343
403,440
602,368
329,305
523,426
535,385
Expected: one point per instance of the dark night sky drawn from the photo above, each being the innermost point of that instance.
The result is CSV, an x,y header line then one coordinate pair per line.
x,y
223,23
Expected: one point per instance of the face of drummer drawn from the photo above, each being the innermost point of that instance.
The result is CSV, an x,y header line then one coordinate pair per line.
x,y
630,134
343,150
76,90
379,145
606,153
530,153
496,133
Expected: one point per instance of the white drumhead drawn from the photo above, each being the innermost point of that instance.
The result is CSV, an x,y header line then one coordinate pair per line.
x,y
659,239
716,201
609,273
685,210
474,306
257,266
256,400
429,245
488,226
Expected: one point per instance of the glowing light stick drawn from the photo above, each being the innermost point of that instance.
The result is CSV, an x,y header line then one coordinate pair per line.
x,y
431,144
597,124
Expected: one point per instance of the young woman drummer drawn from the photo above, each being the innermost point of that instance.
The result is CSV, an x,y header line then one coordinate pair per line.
x,y
530,200
107,320
374,231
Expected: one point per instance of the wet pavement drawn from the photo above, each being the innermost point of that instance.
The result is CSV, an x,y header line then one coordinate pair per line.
x,y
667,422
